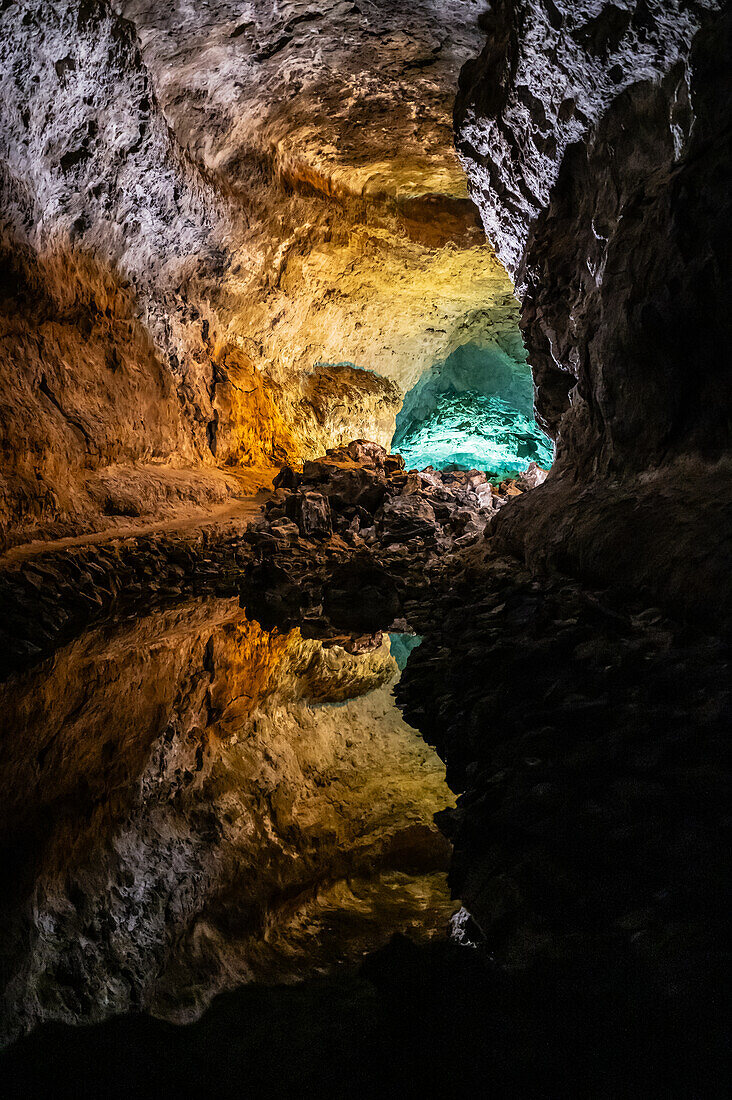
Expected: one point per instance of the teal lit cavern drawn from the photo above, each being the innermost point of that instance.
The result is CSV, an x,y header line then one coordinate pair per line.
x,y
473,411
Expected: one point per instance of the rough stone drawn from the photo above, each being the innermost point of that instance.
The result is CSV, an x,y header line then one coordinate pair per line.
x,y
311,513
405,518
213,254
597,141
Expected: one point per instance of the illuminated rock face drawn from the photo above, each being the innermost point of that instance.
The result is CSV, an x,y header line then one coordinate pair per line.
x,y
596,139
200,208
474,411
197,803
547,74
469,431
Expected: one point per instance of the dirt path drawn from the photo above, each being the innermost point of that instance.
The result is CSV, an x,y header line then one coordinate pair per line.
x,y
233,512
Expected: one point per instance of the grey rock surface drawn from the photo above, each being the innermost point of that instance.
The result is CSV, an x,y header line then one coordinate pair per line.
x,y
596,138
547,74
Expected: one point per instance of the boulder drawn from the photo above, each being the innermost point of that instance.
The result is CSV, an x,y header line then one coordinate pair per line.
x,y
287,478
284,528
484,493
404,518
366,453
311,512
357,486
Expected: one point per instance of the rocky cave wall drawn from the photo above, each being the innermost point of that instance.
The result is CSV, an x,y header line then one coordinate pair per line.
x,y
500,369
210,220
194,809
597,142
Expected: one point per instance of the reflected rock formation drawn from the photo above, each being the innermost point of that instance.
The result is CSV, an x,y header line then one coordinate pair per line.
x,y
193,803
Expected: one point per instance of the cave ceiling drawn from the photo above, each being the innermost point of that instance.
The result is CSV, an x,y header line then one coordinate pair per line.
x,y
211,215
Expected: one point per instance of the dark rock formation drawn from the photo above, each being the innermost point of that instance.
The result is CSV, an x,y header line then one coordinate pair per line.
x,y
597,140
356,502
311,513
588,735
348,538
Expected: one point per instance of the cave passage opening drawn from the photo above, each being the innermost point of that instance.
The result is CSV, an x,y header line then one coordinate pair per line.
x,y
474,410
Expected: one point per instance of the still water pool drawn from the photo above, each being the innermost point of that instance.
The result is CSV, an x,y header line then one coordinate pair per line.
x,y
192,803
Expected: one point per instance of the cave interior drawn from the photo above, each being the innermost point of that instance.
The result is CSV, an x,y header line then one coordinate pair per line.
x,y
365,547
474,411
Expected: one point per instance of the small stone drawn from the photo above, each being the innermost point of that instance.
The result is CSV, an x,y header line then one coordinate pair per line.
x,y
533,476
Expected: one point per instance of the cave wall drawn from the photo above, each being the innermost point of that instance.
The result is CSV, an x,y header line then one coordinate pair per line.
x,y
596,139
228,240
496,369
203,797
103,220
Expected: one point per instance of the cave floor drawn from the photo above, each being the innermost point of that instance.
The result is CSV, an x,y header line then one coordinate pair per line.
x,y
177,500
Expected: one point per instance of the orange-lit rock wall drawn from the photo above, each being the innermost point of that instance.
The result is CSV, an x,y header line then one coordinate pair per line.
x,y
194,795
222,247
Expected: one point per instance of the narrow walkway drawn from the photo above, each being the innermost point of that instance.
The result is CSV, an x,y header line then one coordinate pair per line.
x,y
238,509
234,511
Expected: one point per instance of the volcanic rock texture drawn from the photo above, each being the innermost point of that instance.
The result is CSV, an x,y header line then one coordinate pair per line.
x,y
597,141
213,216
207,804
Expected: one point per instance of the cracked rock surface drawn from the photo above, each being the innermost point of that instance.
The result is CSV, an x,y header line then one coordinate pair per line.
x,y
596,140
232,236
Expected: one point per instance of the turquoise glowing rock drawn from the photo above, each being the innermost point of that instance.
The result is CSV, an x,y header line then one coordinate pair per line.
x,y
469,430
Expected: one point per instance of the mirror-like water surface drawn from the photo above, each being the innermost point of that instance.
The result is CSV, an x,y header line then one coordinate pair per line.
x,y
191,803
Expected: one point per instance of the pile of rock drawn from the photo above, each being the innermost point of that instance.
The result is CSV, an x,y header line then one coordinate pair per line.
x,y
359,496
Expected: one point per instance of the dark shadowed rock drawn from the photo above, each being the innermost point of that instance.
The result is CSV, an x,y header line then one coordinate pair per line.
x,y
404,518
311,512
287,478
360,595
597,141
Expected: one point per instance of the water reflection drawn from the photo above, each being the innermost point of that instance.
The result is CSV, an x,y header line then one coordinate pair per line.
x,y
191,802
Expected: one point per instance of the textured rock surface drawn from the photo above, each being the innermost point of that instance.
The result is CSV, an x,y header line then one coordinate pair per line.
x,y
548,73
597,140
104,221
348,504
587,734
211,217
357,507
200,804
